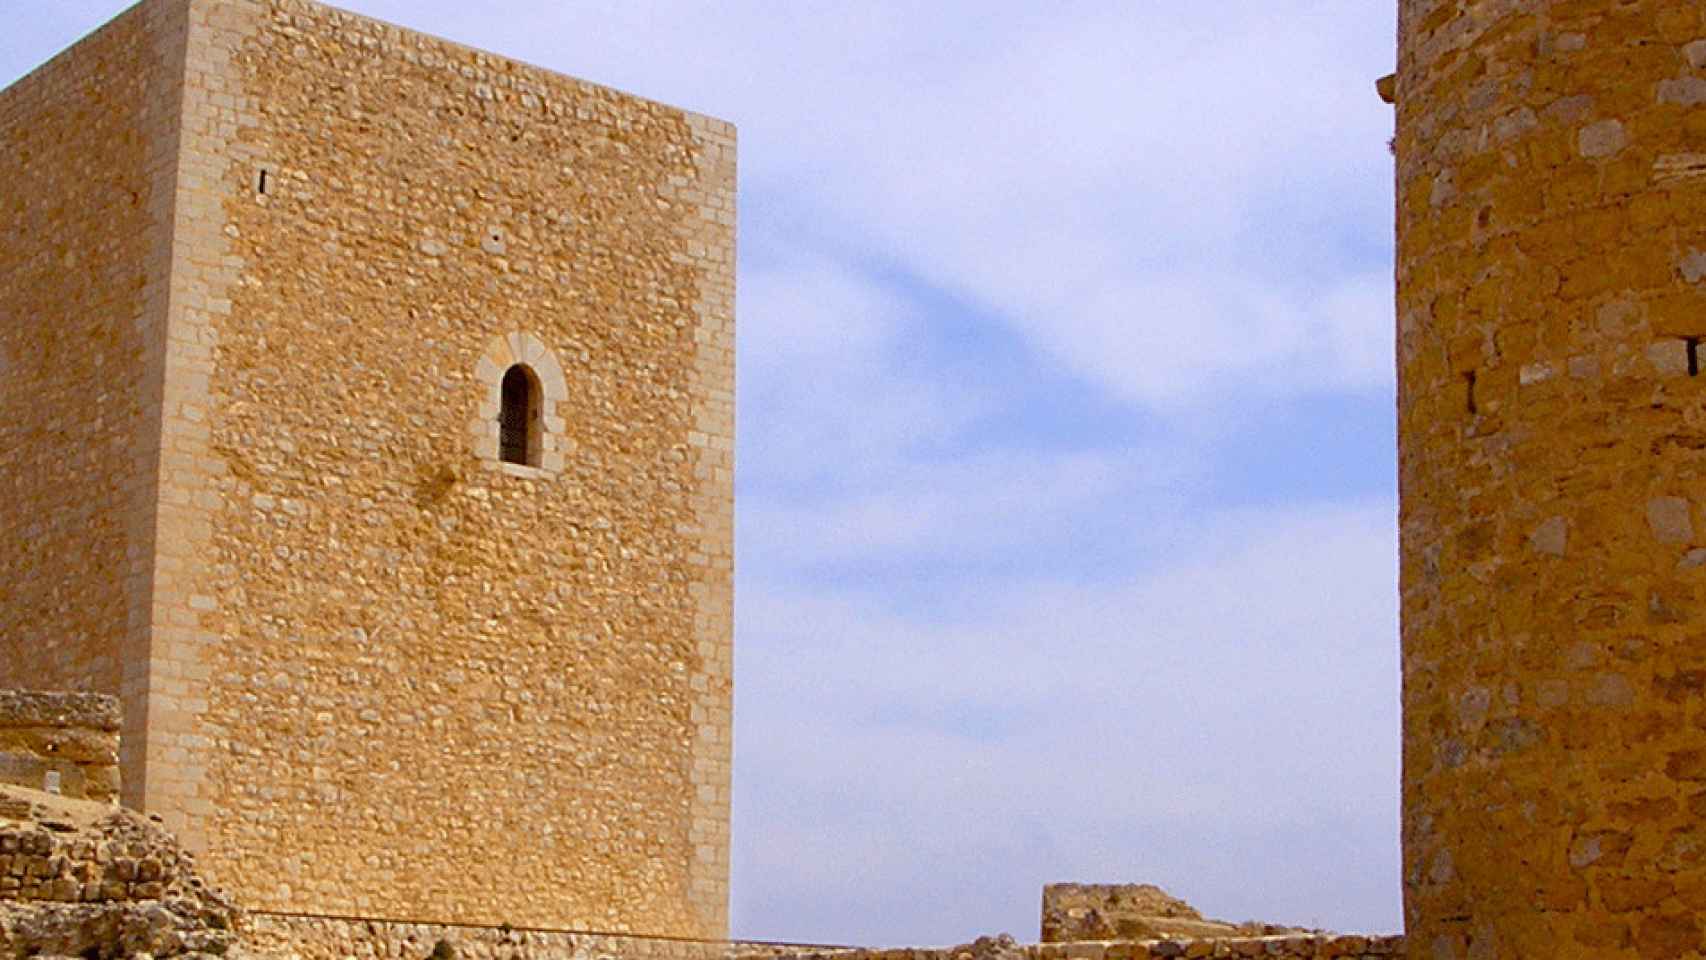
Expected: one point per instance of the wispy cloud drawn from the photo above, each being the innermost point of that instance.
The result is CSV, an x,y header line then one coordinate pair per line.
x,y
1224,726
1166,196
1065,545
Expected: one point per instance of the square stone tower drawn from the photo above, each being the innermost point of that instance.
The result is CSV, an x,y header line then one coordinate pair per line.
x,y
366,424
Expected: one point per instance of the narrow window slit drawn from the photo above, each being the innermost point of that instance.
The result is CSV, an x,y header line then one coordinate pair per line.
x,y
519,417
1693,355
261,186
1469,384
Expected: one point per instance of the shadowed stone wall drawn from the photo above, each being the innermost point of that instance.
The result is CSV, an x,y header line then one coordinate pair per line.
x,y
64,743
88,159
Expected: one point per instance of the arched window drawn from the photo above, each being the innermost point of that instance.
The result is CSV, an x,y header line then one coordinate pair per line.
x,y
518,417
520,429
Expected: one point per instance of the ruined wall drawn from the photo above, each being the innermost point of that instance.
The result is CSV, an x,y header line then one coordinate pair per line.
x,y
87,153
1551,249
1290,947
407,681
64,743
81,879
47,856
319,938
329,938
1122,911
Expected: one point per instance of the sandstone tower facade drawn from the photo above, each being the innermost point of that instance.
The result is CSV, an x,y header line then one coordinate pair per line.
x,y
1551,256
366,413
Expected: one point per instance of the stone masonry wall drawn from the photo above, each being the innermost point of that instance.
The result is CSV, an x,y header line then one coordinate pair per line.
x,y
287,937
62,743
389,675
325,938
81,879
87,145
1292,947
46,860
1551,176
1127,911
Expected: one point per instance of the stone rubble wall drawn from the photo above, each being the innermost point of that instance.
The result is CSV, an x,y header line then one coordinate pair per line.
x,y
1074,912
1315,946
298,937
88,880
1301,946
1551,270
65,743
40,863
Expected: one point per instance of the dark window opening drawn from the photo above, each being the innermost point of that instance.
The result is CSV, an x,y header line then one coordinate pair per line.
x,y
1693,356
261,185
519,417
1469,389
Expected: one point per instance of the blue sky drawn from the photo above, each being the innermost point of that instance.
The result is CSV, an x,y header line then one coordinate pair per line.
x,y
1066,506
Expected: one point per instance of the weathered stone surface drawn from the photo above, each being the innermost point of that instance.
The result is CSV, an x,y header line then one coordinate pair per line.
x,y
1551,537
1107,911
1311,946
88,880
1083,912
1684,91
1669,518
333,938
80,270
62,743
250,428
1603,139
1551,819
57,710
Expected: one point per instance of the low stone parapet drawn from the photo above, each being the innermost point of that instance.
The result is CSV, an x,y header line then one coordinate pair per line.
x,y
63,743
86,879
1294,946
304,937
1075,912
1320,946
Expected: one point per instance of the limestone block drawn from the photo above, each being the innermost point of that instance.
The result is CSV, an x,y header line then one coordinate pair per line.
x,y
1603,139
1669,518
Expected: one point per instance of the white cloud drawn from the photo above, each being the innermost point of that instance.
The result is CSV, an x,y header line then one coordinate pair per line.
x,y
819,392
1035,658
1238,708
1102,177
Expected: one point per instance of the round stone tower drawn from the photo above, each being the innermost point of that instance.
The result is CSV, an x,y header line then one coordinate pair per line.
x,y
1551,161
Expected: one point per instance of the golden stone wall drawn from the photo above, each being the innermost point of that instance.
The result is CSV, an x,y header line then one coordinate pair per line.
x,y
383,674
63,743
331,938
1551,250
1292,946
87,153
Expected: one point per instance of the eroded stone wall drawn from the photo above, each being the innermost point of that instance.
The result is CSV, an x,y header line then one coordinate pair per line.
x,y
1551,251
1293,947
65,743
323,938
87,159
81,879
393,676
1123,911
331,938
